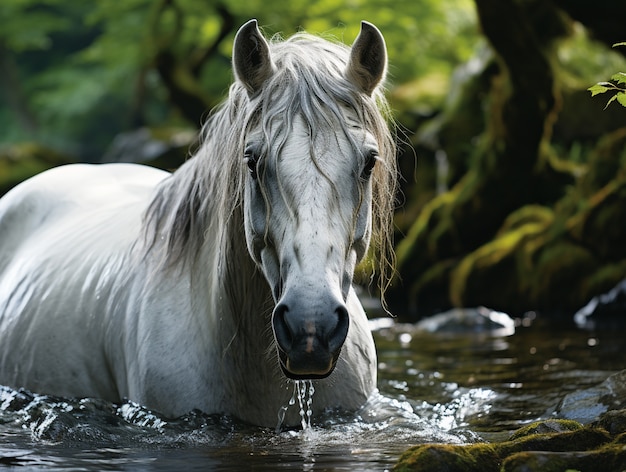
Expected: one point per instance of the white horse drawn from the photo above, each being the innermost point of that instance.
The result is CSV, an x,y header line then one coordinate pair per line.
x,y
209,287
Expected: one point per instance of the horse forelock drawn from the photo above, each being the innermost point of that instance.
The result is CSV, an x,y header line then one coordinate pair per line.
x,y
309,82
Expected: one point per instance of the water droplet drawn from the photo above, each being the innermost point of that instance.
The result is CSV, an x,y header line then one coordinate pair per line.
x,y
281,418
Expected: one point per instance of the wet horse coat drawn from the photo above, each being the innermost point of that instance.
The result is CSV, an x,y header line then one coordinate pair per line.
x,y
208,288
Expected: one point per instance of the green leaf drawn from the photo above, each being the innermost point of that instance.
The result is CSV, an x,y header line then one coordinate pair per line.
x,y
599,88
621,98
620,77
619,44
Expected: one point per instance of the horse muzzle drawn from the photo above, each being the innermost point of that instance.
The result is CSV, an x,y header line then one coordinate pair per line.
x,y
309,338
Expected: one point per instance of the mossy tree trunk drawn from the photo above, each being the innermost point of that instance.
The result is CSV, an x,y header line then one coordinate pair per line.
x,y
505,168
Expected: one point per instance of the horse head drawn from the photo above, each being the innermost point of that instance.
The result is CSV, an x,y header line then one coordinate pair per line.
x,y
311,148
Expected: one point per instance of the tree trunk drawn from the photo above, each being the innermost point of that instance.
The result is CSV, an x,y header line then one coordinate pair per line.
x,y
505,167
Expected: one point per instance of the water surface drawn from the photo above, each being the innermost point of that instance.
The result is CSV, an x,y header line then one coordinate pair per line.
x,y
432,388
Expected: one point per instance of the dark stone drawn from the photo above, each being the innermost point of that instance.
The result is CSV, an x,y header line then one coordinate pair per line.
x,y
587,405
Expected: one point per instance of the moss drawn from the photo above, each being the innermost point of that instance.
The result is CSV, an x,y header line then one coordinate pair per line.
x,y
610,457
558,275
604,279
531,261
546,426
536,214
605,162
449,458
495,264
580,440
543,461
541,260
598,225
614,422
426,224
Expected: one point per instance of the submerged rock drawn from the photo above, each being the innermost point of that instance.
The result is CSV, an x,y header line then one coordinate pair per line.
x,y
587,405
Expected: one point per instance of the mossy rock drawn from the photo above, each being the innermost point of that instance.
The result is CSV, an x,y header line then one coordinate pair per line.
x,y
545,427
614,422
581,439
21,161
550,445
608,458
449,458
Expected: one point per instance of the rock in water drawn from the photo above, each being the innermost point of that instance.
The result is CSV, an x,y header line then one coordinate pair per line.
x,y
605,310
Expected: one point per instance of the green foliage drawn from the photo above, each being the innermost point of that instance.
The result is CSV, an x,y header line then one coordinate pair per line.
x,y
84,71
617,87
28,24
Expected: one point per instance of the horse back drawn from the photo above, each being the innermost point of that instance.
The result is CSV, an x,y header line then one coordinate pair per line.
x,y
64,239
75,191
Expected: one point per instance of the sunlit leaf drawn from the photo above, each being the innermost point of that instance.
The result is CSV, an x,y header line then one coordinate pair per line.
x,y
599,88
620,77
621,98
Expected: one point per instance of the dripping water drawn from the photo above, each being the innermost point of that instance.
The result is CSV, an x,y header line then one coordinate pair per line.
x,y
303,391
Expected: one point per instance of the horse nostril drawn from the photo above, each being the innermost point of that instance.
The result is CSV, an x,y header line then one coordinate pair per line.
x,y
338,335
282,331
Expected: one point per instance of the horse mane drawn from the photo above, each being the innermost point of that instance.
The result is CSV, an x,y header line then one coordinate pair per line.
x,y
202,196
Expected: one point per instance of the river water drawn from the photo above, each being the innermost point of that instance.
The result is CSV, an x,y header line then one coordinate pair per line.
x,y
453,388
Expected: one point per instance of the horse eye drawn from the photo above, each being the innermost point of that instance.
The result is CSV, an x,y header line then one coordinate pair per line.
x,y
370,161
252,159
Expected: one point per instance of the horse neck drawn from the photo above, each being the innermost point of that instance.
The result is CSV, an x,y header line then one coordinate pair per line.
x,y
238,298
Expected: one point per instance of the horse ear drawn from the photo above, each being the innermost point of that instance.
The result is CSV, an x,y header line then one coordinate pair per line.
x,y
368,59
252,62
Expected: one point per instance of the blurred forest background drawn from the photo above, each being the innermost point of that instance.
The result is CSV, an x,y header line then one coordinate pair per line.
x,y
513,176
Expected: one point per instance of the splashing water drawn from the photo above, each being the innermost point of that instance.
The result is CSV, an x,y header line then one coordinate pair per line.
x,y
303,391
